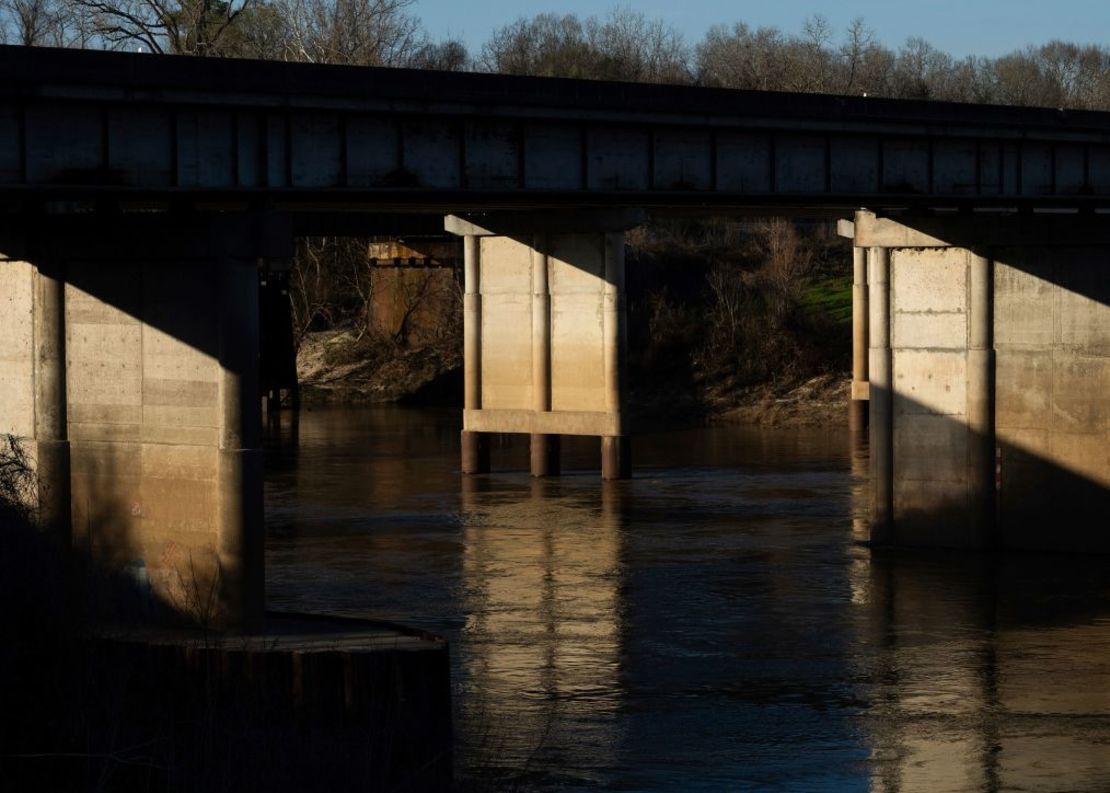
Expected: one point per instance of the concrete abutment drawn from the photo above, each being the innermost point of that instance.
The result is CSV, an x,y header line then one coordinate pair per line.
x,y
544,334
140,393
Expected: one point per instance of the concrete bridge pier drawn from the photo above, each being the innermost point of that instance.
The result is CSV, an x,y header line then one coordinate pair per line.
x,y
51,439
544,333
475,445
857,407
989,369
130,359
33,404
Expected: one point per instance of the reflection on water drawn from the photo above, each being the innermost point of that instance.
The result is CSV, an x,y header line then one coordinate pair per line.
x,y
711,625
540,591
989,675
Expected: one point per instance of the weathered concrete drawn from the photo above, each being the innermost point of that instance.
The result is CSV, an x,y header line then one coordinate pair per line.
x,y
880,367
51,436
1000,427
475,445
930,352
1052,340
158,398
857,409
32,381
545,332
544,448
616,454
980,400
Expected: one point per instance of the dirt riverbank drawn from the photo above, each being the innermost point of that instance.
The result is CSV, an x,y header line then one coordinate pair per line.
x,y
338,367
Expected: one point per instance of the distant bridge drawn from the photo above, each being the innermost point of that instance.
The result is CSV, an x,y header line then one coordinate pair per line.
x,y
139,193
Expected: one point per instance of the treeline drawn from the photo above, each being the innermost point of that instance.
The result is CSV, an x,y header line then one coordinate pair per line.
x,y
622,45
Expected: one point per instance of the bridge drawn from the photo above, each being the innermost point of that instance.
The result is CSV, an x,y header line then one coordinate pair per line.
x,y
140,195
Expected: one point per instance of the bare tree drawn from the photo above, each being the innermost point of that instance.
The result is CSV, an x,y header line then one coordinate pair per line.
x,y
18,484
358,32
444,56
858,55
28,22
181,27
739,57
49,23
627,45
546,45
311,282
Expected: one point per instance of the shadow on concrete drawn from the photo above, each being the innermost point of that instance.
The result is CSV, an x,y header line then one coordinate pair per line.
x,y
1039,503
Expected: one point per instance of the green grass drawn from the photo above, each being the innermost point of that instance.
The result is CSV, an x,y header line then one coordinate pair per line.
x,y
830,298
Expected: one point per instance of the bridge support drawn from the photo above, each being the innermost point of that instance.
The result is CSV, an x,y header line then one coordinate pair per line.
x,y
989,372
33,375
881,391
857,406
544,334
141,393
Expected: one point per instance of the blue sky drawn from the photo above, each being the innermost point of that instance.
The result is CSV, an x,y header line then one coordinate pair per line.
x,y
962,27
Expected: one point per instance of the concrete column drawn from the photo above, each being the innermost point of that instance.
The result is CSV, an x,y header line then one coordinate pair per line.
x,y
616,460
857,412
980,400
545,448
241,530
475,445
880,370
52,451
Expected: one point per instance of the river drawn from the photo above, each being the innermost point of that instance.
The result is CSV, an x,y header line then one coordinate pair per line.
x,y
712,624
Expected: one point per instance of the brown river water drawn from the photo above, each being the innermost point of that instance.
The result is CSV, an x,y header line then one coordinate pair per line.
x,y
712,624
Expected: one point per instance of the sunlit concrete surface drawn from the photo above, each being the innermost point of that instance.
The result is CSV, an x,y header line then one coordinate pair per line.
x,y
994,428
155,381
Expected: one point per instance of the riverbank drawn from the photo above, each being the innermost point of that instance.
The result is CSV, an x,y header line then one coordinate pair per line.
x,y
341,367
818,401
337,368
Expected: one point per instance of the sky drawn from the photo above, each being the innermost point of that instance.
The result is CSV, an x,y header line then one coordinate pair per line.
x,y
960,27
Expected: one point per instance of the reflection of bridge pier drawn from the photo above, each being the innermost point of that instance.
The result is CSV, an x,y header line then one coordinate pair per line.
x,y
542,569
981,675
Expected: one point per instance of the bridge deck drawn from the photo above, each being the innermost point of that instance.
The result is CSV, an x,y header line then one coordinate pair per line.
x,y
83,124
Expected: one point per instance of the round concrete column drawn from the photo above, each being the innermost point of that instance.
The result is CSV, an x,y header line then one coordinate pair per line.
x,y
545,448
980,400
857,412
241,529
880,370
475,445
616,458
51,433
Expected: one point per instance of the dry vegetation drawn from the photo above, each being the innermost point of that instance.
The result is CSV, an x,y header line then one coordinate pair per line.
x,y
725,314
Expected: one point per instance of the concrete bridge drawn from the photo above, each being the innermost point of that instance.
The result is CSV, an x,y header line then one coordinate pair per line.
x,y
140,195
